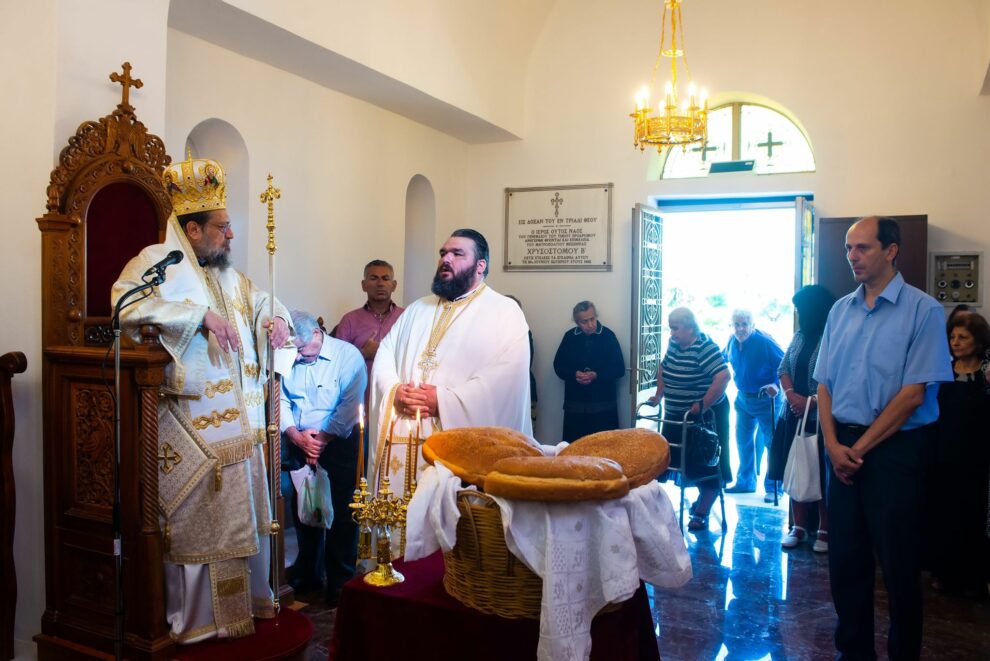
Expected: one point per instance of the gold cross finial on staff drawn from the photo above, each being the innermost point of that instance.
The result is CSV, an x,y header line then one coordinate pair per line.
x,y
269,196
126,82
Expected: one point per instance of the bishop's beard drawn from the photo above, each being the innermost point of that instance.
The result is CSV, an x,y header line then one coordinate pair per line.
x,y
454,288
220,259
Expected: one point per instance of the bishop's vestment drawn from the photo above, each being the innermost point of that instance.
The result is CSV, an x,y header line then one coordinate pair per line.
x,y
212,487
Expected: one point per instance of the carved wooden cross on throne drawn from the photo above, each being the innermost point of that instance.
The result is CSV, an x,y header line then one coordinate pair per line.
x,y
126,82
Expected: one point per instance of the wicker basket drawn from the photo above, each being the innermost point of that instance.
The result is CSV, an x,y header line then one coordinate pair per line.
x,y
481,573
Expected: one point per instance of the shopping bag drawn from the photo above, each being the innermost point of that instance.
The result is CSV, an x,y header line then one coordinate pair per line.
x,y
802,481
313,502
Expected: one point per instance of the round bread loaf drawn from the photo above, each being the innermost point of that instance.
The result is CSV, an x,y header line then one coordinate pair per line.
x,y
470,452
643,454
557,479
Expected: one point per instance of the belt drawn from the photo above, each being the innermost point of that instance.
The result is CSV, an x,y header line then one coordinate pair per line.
x,y
851,428
753,395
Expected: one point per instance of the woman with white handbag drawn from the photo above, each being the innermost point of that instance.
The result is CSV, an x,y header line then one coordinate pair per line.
x,y
796,442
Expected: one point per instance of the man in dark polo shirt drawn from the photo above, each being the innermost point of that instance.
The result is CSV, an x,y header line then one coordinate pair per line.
x,y
882,356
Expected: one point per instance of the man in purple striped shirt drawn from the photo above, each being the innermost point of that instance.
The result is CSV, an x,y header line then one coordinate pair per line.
x,y
366,326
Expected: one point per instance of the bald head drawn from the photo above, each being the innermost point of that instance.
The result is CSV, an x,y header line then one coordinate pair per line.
x,y
872,244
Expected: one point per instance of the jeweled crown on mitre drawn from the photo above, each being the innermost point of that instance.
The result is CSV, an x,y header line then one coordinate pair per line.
x,y
196,184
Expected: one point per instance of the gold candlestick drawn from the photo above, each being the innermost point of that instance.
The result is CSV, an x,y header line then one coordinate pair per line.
x,y
361,500
384,511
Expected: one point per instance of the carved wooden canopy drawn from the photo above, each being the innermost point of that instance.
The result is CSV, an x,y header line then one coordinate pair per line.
x,y
116,148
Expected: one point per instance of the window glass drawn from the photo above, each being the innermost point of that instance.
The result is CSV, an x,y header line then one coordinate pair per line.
x,y
773,142
762,135
695,163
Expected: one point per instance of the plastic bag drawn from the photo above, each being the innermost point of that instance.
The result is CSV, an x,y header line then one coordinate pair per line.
x,y
313,502
802,481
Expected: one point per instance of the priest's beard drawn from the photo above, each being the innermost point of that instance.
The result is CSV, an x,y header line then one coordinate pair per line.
x,y
457,286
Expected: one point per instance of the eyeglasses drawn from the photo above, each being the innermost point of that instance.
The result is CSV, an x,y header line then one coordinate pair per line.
x,y
223,227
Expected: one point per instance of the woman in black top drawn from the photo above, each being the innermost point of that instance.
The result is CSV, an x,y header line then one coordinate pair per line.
x,y
812,304
961,460
590,362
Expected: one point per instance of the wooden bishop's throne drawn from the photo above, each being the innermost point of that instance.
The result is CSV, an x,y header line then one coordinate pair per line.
x,y
105,203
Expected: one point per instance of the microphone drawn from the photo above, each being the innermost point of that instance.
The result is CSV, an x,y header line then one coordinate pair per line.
x,y
173,257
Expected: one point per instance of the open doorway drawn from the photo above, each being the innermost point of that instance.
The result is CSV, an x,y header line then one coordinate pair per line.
x,y
714,257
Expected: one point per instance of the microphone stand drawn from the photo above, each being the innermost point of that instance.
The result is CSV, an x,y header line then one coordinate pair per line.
x,y
118,556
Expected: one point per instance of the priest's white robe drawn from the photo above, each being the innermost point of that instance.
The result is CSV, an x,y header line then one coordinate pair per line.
x,y
481,375
213,492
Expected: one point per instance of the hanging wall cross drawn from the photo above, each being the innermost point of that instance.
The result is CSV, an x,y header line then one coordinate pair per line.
x,y
769,144
126,82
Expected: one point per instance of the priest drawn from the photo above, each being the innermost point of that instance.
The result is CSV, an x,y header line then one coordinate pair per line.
x,y
212,483
460,358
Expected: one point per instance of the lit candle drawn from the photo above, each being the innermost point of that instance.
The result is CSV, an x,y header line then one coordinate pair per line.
x,y
387,459
360,460
668,91
643,98
391,434
419,435
692,94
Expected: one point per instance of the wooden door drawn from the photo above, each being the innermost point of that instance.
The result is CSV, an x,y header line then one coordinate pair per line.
x,y
832,269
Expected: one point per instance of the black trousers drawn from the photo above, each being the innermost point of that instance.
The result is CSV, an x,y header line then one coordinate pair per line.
x,y
876,519
583,423
332,551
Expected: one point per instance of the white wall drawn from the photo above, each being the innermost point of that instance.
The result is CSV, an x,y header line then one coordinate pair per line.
x,y
342,165
888,92
26,131
472,54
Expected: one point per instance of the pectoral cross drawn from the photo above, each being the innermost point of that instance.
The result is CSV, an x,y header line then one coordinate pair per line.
x,y
126,82
428,363
168,458
769,144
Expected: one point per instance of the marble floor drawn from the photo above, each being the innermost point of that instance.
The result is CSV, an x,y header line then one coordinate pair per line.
x,y
751,600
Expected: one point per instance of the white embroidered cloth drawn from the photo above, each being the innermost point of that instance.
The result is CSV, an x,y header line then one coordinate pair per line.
x,y
588,553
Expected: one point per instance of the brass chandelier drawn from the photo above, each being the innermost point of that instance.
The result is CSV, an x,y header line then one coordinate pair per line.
x,y
678,120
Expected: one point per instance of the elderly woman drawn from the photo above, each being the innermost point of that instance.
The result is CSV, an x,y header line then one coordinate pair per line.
x,y
692,378
812,304
962,455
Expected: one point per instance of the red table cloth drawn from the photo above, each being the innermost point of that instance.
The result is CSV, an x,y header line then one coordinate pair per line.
x,y
417,619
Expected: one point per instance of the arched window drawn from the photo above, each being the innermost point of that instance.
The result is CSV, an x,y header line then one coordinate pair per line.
x,y
741,133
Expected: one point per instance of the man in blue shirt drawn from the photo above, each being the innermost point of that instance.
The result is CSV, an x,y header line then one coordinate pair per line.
x,y
882,355
754,357
319,410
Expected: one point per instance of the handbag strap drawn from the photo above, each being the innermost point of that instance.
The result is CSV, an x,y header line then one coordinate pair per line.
x,y
804,420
